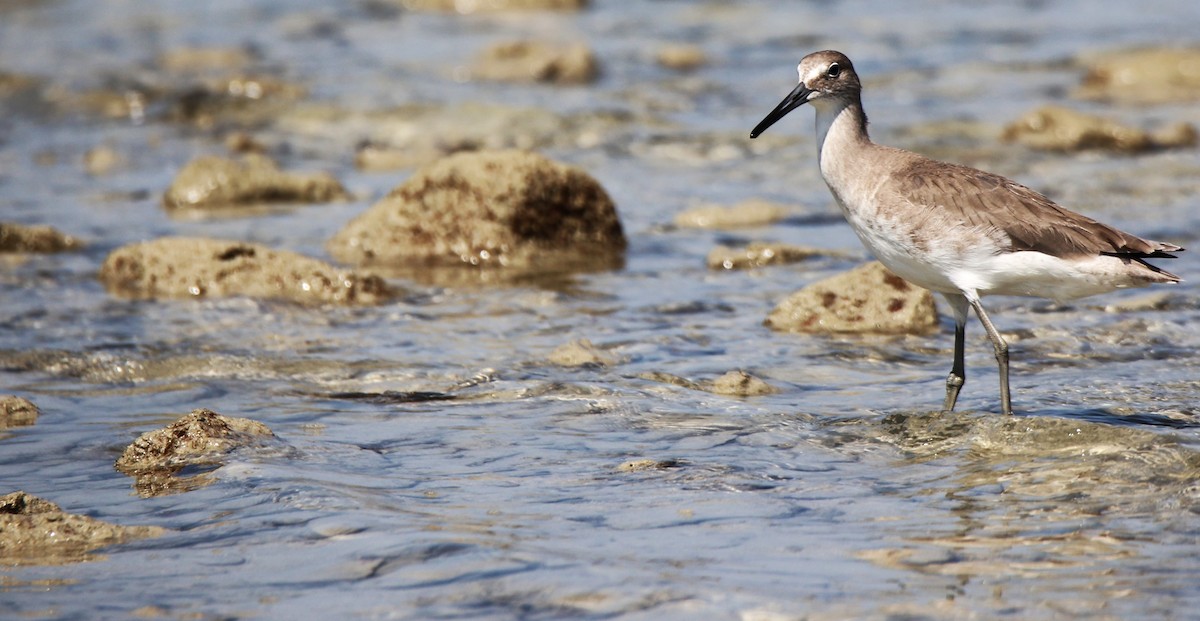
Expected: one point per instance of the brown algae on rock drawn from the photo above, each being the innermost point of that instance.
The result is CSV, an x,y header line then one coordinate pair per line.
x,y
184,267
34,531
534,61
216,182
868,299
201,438
19,238
1055,128
507,208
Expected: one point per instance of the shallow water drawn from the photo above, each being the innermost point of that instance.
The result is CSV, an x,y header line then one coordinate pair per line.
x,y
844,495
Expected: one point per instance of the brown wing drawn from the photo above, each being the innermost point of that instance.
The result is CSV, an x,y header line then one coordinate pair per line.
x,y
1031,221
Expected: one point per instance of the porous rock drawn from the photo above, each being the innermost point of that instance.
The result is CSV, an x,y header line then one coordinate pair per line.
x,y
867,299
738,383
681,57
533,61
751,212
34,239
581,353
1151,75
185,267
202,437
34,531
489,208
758,254
466,7
214,182
1056,128
17,411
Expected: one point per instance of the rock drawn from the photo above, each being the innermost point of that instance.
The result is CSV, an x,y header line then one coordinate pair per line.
x,y
532,61
640,465
581,353
867,299
100,160
199,439
1155,75
681,57
739,384
34,239
202,437
758,254
34,531
1062,129
182,267
17,412
205,59
374,158
216,182
514,209
466,7
753,212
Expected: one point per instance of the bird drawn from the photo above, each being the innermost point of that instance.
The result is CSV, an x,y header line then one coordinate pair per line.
x,y
955,230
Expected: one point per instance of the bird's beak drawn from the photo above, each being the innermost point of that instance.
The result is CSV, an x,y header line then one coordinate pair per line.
x,y
795,99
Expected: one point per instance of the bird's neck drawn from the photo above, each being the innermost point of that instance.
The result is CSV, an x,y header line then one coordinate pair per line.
x,y
841,128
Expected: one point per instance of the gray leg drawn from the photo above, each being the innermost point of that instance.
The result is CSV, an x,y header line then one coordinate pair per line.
x,y
958,373
1001,353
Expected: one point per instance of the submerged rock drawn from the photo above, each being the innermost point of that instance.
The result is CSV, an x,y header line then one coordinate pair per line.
x,y
867,299
752,212
532,61
216,182
34,531
184,267
581,353
17,412
35,239
738,383
758,254
491,6
1062,129
681,57
1155,75
201,438
489,208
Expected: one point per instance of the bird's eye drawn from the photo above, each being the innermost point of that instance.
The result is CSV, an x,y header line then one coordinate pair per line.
x,y
833,71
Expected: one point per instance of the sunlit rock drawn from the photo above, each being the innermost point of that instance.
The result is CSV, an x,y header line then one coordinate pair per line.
x,y
202,438
34,531
1056,128
1153,75
217,182
752,212
534,61
17,412
186,267
511,209
19,238
867,299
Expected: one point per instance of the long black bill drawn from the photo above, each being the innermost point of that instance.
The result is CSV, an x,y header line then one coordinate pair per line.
x,y
795,99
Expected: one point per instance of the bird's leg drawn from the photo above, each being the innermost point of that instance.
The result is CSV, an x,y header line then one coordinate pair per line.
x,y
958,373
1001,353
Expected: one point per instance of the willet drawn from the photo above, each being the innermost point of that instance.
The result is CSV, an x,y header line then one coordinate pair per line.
x,y
961,232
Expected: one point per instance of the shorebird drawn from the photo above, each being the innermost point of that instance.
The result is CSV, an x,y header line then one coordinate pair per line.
x,y
961,232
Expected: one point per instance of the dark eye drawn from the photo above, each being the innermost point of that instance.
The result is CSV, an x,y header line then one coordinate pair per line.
x,y
833,71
